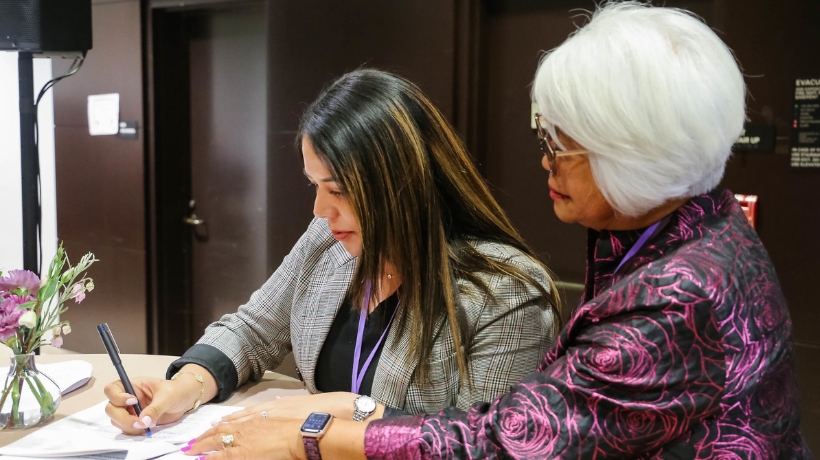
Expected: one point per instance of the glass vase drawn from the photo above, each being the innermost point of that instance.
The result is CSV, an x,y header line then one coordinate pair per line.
x,y
29,397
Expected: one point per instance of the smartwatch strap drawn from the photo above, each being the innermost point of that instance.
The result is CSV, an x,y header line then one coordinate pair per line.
x,y
312,448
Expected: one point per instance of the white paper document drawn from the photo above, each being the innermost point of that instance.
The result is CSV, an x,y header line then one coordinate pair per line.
x,y
90,432
106,456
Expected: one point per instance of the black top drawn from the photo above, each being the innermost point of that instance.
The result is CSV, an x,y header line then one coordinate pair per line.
x,y
334,368
335,365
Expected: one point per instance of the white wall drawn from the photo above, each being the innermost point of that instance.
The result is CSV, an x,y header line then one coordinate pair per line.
x,y
11,212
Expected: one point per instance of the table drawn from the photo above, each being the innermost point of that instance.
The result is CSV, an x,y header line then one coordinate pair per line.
x,y
271,385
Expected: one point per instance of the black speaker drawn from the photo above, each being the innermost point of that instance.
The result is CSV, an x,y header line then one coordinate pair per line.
x,y
48,27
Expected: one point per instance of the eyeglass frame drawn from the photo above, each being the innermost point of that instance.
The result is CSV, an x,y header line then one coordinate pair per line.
x,y
546,148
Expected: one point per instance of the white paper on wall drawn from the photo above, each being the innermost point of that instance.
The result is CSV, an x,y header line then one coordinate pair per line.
x,y
104,114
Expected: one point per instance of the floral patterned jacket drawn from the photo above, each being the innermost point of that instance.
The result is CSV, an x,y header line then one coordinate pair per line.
x,y
685,352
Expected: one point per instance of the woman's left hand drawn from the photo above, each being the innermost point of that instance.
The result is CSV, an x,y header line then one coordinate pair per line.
x,y
340,404
268,438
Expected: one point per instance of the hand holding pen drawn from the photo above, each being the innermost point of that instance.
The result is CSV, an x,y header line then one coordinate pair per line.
x,y
114,353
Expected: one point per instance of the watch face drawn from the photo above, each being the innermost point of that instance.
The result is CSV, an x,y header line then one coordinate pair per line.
x,y
316,422
365,404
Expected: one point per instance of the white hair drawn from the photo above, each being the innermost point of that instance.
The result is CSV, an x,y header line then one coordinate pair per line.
x,y
655,96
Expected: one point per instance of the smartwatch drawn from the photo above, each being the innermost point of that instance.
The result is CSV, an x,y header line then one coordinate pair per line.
x,y
363,406
313,429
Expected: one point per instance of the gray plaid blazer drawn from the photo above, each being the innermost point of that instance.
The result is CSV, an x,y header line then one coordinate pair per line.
x,y
294,309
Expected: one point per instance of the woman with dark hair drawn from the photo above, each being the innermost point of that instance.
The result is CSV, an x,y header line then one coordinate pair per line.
x,y
682,346
410,287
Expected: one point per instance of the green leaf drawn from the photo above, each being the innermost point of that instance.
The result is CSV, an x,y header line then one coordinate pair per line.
x,y
47,291
27,306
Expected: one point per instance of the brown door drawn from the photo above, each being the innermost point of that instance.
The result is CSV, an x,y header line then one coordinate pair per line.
x,y
228,159
210,77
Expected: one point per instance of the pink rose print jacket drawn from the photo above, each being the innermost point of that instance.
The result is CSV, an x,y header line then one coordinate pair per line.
x,y
684,353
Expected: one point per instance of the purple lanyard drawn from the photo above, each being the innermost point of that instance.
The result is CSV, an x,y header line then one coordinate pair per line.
x,y
357,377
637,246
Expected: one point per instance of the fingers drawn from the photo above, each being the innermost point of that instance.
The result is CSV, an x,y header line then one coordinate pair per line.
x,y
211,432
122,419
119,408
247,418
260,438
151,414
211,440
121,412
115,393
240,415
249,411
234,453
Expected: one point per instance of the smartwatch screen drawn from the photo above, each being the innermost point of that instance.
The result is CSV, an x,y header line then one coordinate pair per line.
x,y
316,422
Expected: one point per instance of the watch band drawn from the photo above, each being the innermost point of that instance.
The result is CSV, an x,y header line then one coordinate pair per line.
x,y
360,415
312,448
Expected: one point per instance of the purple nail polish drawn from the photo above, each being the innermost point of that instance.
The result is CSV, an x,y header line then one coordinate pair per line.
x,y
186,448
191,441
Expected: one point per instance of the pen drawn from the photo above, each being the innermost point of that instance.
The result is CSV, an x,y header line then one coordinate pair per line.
x,y
114,353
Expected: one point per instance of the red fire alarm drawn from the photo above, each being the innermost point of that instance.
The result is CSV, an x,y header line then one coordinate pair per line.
x,y
749,205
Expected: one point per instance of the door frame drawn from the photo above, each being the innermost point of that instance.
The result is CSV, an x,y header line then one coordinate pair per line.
x,y
168,177
168,181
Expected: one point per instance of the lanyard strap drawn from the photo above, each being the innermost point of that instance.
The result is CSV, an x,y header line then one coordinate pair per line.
x,y
356,376
637,246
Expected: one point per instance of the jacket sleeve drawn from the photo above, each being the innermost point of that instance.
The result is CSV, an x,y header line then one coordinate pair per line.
x,y
638,366
513,332
257,337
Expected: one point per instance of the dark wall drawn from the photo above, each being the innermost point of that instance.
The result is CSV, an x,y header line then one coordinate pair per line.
x,y
312,42
100,182
777,42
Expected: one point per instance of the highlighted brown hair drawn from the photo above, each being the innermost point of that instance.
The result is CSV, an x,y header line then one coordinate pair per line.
x,y
419,201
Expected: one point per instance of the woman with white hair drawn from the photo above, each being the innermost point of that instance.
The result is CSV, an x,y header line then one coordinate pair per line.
x,y
682,346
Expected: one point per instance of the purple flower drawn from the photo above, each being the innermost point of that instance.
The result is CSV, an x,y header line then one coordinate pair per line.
x,y
22,279
10,315
57,341
79,293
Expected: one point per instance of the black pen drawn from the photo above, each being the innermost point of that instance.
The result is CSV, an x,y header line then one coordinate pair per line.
x,y
114,353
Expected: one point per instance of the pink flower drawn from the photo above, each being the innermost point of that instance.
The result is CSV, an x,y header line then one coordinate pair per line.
x,y
22,279
57,341
10,315
79,293
528,424
631,428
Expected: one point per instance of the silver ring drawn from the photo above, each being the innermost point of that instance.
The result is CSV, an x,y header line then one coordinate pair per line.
x,y
227,441
264,414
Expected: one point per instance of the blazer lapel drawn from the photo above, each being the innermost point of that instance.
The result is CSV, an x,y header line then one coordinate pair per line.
x,y
396,364
321,306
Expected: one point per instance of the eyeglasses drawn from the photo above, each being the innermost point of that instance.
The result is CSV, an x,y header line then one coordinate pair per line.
x,y
546,141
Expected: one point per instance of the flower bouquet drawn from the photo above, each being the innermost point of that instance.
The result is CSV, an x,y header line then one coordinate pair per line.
x,y
29,309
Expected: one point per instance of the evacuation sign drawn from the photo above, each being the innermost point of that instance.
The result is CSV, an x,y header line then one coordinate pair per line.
x,y
805,141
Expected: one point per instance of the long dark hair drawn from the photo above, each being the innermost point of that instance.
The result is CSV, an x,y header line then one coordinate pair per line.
x,y
419,201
